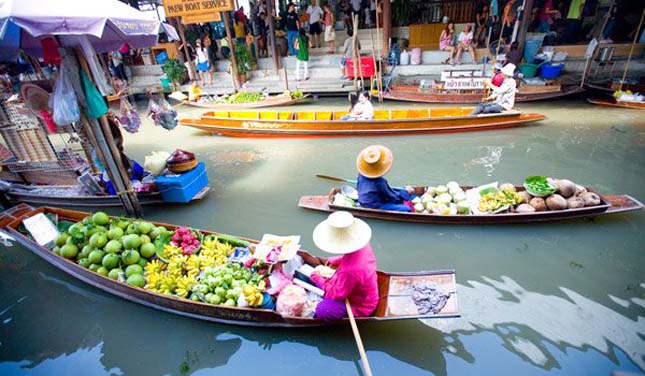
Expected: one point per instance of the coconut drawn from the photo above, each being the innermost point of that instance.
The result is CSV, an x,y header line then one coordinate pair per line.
x,y
556,202
507,187
526,197
591,199
460,196
431,191
442,189
580,190
419,207
575,202
538,203
416,200
524,208
444,198
452,185
566,187
440,209
453,191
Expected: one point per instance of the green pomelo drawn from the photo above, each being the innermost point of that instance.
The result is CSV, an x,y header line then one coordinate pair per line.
x,y
136,280
69,251
148,250
133,269
110,261
96,257
100,218
130,257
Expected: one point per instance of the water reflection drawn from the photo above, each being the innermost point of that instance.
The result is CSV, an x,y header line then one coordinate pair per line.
x,y
525,319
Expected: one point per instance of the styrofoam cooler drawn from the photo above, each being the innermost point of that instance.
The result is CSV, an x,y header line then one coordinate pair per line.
x,y
182,187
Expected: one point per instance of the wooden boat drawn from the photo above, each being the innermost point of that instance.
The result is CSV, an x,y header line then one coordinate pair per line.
x,y
614,103
609,205
29,195
395,302
608,87
328,123
269,102
411,93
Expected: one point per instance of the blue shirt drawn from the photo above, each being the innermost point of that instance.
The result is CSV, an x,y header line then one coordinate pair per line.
x,y
374,193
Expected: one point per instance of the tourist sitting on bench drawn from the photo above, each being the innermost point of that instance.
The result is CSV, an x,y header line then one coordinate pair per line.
x,y
504,95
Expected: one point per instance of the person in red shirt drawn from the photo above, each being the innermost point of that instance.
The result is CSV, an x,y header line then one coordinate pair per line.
x,y
355,277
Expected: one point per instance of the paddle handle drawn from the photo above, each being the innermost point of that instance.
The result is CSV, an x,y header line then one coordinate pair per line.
x,y
357,337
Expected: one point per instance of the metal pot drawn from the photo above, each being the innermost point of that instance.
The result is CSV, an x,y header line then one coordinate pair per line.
x,y
606,53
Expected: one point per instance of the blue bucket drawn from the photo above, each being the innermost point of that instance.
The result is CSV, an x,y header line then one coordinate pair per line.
x,y
531,48
551,70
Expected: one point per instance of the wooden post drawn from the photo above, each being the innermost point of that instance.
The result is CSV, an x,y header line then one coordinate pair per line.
x,y
191,66
598,36
355,54
631,50
286,79
227,25
274,47
387,26
524,26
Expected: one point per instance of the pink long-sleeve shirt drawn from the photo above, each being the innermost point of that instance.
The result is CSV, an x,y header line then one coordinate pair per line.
x,y
354,279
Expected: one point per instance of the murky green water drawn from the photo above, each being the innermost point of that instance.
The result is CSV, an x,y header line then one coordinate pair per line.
x,y
560,298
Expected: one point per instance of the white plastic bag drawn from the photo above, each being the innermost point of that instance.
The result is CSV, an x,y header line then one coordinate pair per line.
x,y
63,100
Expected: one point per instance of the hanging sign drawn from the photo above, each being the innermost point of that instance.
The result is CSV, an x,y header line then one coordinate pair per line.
x,y
178,8
201,18
464,83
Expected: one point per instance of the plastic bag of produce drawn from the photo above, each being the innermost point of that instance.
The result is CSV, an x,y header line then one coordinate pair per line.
x,y
168,116
128,116
63,100
291,301
156,162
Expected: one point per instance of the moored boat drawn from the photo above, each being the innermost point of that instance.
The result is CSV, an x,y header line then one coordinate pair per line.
x,y
411,93
614,103
608,205
329,123
395,298
268,102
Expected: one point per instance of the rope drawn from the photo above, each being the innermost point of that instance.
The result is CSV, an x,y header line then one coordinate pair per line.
x,y
121,193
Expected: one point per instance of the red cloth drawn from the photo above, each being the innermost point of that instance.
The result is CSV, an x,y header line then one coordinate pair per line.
x,y
355,279
49,121
50,51
498,78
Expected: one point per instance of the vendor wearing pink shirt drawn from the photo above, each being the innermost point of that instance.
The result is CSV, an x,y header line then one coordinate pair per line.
x,y
355,276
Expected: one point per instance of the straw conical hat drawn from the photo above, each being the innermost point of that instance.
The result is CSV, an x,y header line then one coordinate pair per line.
x,y
36,98
374,161
341,233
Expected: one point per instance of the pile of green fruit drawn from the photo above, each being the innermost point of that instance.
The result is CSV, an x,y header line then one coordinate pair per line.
x,y
118,248
224,284
245,97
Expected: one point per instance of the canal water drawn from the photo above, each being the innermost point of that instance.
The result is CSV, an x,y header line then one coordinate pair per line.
x,y
545,299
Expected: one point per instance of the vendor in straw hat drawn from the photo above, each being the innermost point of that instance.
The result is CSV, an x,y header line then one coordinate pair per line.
x,y
355,276
504,94
373,190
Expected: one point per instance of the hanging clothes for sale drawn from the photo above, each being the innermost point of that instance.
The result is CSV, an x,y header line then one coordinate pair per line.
x,y
50,51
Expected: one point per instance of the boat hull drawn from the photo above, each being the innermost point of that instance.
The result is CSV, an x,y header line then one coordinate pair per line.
x,y
394,300
242,106
610,205
407,96
263,128
614,103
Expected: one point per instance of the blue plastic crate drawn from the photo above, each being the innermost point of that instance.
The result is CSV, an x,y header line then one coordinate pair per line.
x,y
182,188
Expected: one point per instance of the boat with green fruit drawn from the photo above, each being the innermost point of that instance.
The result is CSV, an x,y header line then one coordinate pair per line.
x,y
190,272
246,100
536,201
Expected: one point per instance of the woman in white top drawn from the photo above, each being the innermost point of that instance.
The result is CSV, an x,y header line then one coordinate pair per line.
x,y
465,41
363,110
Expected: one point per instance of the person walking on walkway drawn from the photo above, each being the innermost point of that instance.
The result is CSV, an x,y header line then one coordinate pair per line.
x,y
292,24
302,46
504,95
315,15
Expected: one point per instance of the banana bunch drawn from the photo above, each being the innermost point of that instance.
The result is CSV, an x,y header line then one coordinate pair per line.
x,y
253,294
495,200
218,251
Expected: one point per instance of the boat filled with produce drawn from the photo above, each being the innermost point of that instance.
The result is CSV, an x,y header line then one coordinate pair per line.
x,y
246,99
199,273
538,199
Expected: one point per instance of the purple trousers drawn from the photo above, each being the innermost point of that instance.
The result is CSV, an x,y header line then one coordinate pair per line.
x,y
330,310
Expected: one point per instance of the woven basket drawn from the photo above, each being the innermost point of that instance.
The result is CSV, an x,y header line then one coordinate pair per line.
x,y
180,167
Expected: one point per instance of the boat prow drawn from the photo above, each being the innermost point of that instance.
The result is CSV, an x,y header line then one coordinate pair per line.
x,y
395,289
615,103
329,124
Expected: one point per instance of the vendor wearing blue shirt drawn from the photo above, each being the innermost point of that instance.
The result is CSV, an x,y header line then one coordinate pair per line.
x,y
373,190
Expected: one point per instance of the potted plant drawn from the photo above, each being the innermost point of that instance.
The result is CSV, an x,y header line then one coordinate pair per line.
x,y
243,57
176,72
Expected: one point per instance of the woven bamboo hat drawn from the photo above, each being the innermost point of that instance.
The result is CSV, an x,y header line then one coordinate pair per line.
x,y
36,98
341,233
374,161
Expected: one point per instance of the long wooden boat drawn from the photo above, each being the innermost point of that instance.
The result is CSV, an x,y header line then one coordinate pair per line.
x,y
328,123
525,94
36,197
269,102
395,289
609,205
615,103
608,87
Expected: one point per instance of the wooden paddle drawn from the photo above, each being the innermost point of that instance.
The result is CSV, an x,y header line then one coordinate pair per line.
x,y
357,337
350,181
